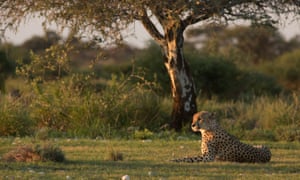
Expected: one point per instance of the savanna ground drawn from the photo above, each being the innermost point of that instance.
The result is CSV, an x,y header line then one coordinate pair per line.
x,y
146,159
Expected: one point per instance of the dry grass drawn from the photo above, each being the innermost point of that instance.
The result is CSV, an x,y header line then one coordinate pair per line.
x,y
31,153
115,156
22,154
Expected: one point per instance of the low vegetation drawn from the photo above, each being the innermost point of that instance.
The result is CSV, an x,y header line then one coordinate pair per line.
x,y
124,110
34,153
133,102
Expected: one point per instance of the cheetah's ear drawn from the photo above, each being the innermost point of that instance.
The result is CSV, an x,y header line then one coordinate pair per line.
x,y
213,115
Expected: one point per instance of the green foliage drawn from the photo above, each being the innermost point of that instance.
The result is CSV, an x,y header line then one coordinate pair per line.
x,y
216,76
245,45
15,118
50,65
260,134
213,76
252,84
145,134
262,118
66,107
286,69
50,152
70,104
150,61
37,43
288,133
6,68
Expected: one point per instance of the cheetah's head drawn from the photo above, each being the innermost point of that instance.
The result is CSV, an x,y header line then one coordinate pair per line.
x,y
204,120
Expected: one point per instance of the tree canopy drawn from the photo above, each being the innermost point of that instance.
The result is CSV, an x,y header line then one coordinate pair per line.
x,y
107,18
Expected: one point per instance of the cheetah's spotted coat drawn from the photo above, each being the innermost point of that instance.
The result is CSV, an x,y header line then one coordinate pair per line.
x,y
217,144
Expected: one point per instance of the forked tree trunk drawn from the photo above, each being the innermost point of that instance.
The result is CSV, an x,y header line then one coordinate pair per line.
x,y
182,84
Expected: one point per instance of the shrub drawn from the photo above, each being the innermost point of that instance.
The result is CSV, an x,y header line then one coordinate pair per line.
x,y
214,76
51,106
81,112
50,152
29,153
150,61
122,104
6,68
15,118
218,77
286,69
52,64
252,84
145,134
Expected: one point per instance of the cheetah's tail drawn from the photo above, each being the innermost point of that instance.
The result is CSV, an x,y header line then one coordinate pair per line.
x,y
188,159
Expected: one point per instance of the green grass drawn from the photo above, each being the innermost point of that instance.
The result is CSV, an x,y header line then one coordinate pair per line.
x,y
89,159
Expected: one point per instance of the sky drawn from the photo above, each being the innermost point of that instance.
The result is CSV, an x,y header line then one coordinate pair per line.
x,y
136,35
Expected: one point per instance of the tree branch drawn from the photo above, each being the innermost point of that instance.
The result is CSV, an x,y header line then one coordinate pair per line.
x,y
194,19
151,28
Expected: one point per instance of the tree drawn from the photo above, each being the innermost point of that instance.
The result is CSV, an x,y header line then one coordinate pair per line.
x,y
258,43
6,69
165,20
39,43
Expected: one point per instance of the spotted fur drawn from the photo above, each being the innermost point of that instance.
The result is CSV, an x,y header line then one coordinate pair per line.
x,y
217,144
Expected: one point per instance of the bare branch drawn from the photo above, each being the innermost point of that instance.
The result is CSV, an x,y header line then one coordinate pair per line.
x,y
194,19
151,28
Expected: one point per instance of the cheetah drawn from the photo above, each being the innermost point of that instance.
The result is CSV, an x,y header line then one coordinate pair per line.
x,y
218,145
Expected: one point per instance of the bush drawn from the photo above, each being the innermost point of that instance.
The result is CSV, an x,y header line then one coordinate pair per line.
x,y
124,104
7,67
62,106
150,61
252,84
15,118
52,64
214,76
286,69
50,152
145,134
29,153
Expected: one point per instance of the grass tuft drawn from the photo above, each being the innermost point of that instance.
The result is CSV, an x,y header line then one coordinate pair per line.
x,y
115,156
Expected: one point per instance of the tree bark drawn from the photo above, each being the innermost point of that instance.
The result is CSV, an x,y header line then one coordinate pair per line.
x,y
182,84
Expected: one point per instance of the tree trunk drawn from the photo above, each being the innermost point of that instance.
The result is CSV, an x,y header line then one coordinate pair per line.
x,y
182,84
